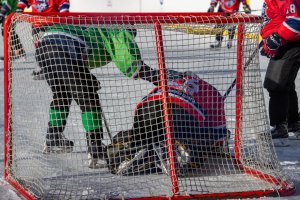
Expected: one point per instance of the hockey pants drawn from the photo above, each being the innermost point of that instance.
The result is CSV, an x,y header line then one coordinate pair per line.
x,y
280,83
63,62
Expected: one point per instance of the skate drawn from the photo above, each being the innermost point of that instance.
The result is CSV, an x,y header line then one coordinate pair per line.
x,y
57,143
135,165
96,150
229,44
294,131
218,147
216,46
280,135
95,154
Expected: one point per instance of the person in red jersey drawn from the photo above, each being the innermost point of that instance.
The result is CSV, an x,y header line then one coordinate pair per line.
x,y
281,36
197,115
16,48
45,6
227,6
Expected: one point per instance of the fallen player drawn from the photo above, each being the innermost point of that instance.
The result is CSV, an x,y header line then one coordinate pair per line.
x,y
198,129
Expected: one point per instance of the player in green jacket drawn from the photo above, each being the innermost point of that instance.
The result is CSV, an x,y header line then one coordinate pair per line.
x,y
9,6
66,54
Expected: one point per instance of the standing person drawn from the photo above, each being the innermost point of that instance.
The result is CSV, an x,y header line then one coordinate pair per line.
x,y
65,54
226,7
281,36
42,6
45,6
9,6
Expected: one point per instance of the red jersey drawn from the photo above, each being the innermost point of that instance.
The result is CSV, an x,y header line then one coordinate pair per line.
x,y
45,5
228,5
200,99
283,17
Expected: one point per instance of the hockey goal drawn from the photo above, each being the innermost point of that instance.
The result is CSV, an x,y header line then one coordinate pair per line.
x,y
207,109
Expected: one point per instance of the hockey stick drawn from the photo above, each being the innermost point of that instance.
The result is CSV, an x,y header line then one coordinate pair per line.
x,y
105,122
245,67
101,166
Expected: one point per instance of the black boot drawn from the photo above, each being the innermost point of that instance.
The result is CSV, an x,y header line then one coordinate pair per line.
x,y
56,142
295,129
96,149
217,45
280,134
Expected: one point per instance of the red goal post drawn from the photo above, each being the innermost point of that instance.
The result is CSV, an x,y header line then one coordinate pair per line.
x,y
250,167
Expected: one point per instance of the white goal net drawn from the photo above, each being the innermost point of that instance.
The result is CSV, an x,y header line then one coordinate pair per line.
x,y
112,106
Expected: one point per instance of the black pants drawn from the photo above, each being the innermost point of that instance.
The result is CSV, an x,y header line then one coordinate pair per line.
x,y
62,60
280,83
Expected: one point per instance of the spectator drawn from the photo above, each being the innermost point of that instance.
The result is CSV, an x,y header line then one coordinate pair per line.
x,y
226,7
9,6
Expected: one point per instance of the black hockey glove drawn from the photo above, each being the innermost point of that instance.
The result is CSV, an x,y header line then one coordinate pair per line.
x,y
247,9
272,45
211,9
152,75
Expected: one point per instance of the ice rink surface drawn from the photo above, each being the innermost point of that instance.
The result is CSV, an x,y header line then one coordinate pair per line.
x,y
288,156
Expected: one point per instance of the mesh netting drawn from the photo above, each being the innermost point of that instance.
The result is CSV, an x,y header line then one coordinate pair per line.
x,y
203,131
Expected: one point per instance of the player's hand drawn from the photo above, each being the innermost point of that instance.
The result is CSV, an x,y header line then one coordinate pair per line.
x,y
247,9
211,9
172,74
272,45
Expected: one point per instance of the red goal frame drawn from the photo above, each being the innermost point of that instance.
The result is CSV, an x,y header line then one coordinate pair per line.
x,y
157,19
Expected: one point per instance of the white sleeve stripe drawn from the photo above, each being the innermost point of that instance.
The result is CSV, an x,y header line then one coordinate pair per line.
x,y
63,10
68,35
295,18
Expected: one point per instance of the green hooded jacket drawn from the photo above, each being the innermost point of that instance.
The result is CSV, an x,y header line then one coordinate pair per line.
x,y
104,45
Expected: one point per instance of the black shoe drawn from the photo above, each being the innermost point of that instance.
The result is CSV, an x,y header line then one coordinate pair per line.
x,y
38,75
229,44
1,58
295,129
217,45
57,143
280,131
280,135
96,153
